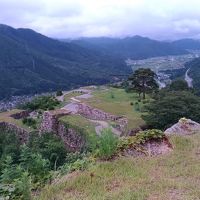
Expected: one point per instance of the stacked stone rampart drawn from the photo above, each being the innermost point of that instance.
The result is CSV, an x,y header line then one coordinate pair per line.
x,y
97,114
73,140
21,133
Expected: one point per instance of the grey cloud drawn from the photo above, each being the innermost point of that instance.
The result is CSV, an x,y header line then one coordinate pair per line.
x,y
159,19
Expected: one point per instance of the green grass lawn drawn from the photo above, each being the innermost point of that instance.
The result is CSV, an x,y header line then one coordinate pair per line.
x,y
117,101
79,122
175,176
6,117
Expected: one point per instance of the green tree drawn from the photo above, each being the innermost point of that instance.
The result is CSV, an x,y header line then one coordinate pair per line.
x,y
23,186
172,106
34,164
9,146
10,171
143,81
59,93
178,85
50,146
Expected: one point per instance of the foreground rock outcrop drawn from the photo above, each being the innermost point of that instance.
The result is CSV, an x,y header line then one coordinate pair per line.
x,y
184,127
153,147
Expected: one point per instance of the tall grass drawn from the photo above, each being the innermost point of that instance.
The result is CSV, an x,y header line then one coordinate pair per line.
x,y
107,144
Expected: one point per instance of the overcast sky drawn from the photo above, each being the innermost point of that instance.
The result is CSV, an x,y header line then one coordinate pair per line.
x,y
159,19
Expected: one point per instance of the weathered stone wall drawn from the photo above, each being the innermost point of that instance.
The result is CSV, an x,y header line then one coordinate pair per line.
x,y
20,115
21,133
49,123
97,114
73,140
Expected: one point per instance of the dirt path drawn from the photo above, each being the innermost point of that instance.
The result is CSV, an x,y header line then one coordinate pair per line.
x,y
100,125
85,94
61,98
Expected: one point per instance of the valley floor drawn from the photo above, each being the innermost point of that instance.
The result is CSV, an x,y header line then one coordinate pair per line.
x,y
175,176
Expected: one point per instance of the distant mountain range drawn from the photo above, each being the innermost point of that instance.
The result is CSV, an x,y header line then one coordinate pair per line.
x,y
32,63
189,44
136,47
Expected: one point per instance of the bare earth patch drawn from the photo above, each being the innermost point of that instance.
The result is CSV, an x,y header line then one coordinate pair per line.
x,y
113,185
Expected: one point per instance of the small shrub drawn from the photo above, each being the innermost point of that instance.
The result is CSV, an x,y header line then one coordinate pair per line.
x,y
51,107
145,101
50,146
73,157
131,103
79,164
140,138
15,182
59,93
112,96
23,186
107,144
146,135
137,106
29,122
42,103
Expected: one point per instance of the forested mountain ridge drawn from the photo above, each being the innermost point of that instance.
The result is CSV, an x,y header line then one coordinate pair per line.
x,y
136,47
32,63
187,43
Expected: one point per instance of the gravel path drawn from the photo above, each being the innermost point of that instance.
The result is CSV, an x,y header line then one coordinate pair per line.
x,y
100,125
73,107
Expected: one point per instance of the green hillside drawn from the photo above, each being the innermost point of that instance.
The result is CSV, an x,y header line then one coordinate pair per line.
x,y
173,176
32,63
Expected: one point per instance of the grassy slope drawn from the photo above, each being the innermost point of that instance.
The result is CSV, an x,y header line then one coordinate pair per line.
x,y
79,121
5,117
174,176
117,101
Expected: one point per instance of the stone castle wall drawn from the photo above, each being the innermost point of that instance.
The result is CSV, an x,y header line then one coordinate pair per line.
x,y
73,140
22,134
20,115
97,114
